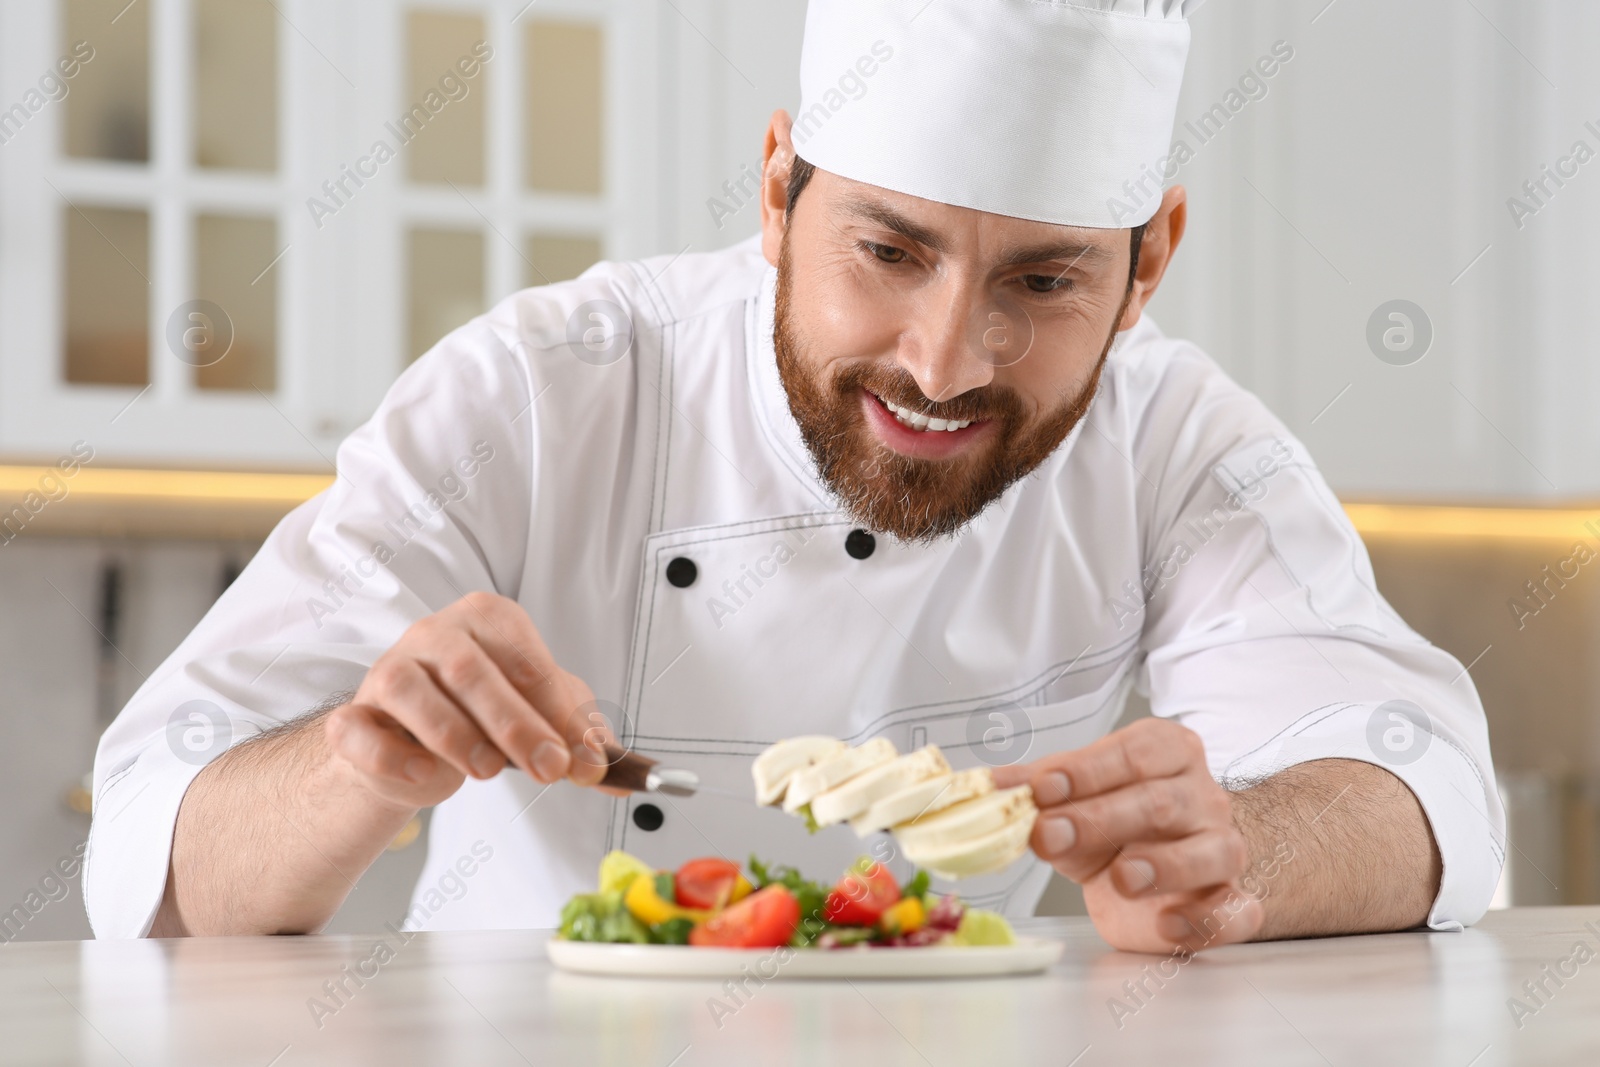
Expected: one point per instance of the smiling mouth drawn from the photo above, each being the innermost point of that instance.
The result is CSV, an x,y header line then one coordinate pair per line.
x,y
913,420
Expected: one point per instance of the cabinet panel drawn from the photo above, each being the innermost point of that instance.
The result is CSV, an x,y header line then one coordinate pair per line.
x,y
564,107
445,117
278,159
1380,163
236,84
228,275
108,296
108,101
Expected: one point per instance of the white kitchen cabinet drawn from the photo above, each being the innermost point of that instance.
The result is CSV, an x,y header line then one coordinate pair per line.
x,y
1379,164
346,180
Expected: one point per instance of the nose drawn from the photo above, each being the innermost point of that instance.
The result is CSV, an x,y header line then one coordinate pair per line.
x,y
938,350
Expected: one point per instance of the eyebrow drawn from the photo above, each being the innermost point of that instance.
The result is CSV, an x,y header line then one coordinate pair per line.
x,y
1069,251
890,219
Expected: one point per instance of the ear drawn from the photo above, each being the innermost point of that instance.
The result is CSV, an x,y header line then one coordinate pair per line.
x,y
1161,240
777,162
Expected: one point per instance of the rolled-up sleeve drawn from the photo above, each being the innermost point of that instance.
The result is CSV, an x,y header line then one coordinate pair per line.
x,y
1265,633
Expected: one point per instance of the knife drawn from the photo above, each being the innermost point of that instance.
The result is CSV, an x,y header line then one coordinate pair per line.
x,y
640,774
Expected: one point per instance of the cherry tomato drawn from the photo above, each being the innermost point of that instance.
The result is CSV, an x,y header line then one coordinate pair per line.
x,y
861,897
765,919
708,883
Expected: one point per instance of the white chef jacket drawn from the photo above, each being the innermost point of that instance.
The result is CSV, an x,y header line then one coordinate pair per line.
x,y
1180,542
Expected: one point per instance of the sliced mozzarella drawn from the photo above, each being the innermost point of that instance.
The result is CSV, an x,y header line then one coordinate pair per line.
x,y
774,768
967,821
974,856
823,775
923,799
954,825
854,796
975,837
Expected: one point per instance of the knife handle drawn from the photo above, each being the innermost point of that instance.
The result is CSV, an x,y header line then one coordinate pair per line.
x,y
627,770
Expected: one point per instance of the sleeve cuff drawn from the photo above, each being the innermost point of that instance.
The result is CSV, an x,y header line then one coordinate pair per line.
x,y
1457,793
130,842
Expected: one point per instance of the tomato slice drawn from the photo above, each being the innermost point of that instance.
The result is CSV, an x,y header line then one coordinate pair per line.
x,y
706,883
861,897
766,918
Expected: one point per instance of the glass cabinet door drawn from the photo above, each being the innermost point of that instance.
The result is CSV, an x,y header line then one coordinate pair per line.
x,y
236,221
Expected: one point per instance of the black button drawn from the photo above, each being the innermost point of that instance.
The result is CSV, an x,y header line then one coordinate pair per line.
x,y
860,544
648,817
682,572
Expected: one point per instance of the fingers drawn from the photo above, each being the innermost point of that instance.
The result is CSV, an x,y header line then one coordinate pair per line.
x,y
403,771
1017,774
1199,861
508,635
589,733
505,632
1080,837
478,688
410,695
1223,916
1149,748
1137,819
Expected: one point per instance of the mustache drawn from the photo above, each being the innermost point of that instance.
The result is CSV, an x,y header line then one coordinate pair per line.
x,y
988,403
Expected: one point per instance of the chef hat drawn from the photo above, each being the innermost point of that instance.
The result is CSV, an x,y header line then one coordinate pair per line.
x,y
1050,110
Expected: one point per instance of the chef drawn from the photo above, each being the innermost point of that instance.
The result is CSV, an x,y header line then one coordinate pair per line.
x,y
914,464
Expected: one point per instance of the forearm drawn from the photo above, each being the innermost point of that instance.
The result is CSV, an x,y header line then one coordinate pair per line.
x,y
1337,847
271,837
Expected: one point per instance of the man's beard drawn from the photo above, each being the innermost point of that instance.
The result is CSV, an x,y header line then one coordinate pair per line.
x,y
914,499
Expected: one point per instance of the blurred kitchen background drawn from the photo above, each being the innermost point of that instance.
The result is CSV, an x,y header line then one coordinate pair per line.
x,y
1437,153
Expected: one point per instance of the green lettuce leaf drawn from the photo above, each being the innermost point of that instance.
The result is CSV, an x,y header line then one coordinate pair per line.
x,y
672,932
601,917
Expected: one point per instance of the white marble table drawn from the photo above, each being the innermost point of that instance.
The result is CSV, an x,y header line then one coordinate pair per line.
x,y
493,998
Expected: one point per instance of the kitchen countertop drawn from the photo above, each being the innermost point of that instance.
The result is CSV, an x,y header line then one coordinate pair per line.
x,y
493,998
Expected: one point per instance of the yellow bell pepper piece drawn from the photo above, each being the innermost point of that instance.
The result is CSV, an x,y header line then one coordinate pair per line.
x,y
650,908
905,917
741,889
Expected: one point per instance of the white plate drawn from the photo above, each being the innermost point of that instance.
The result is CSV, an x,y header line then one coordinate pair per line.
x,y
1029,955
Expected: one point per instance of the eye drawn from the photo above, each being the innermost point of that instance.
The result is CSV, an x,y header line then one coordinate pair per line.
x,y
886,253
1046,283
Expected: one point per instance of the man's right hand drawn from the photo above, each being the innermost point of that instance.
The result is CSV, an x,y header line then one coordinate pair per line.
x,y
461,694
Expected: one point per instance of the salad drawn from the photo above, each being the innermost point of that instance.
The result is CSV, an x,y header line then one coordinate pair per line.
x,y
711,903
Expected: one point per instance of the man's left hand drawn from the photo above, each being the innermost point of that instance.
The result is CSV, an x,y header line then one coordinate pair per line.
x,y
1138,821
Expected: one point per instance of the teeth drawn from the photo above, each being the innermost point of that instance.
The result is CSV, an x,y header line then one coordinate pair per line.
x,y
917,421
